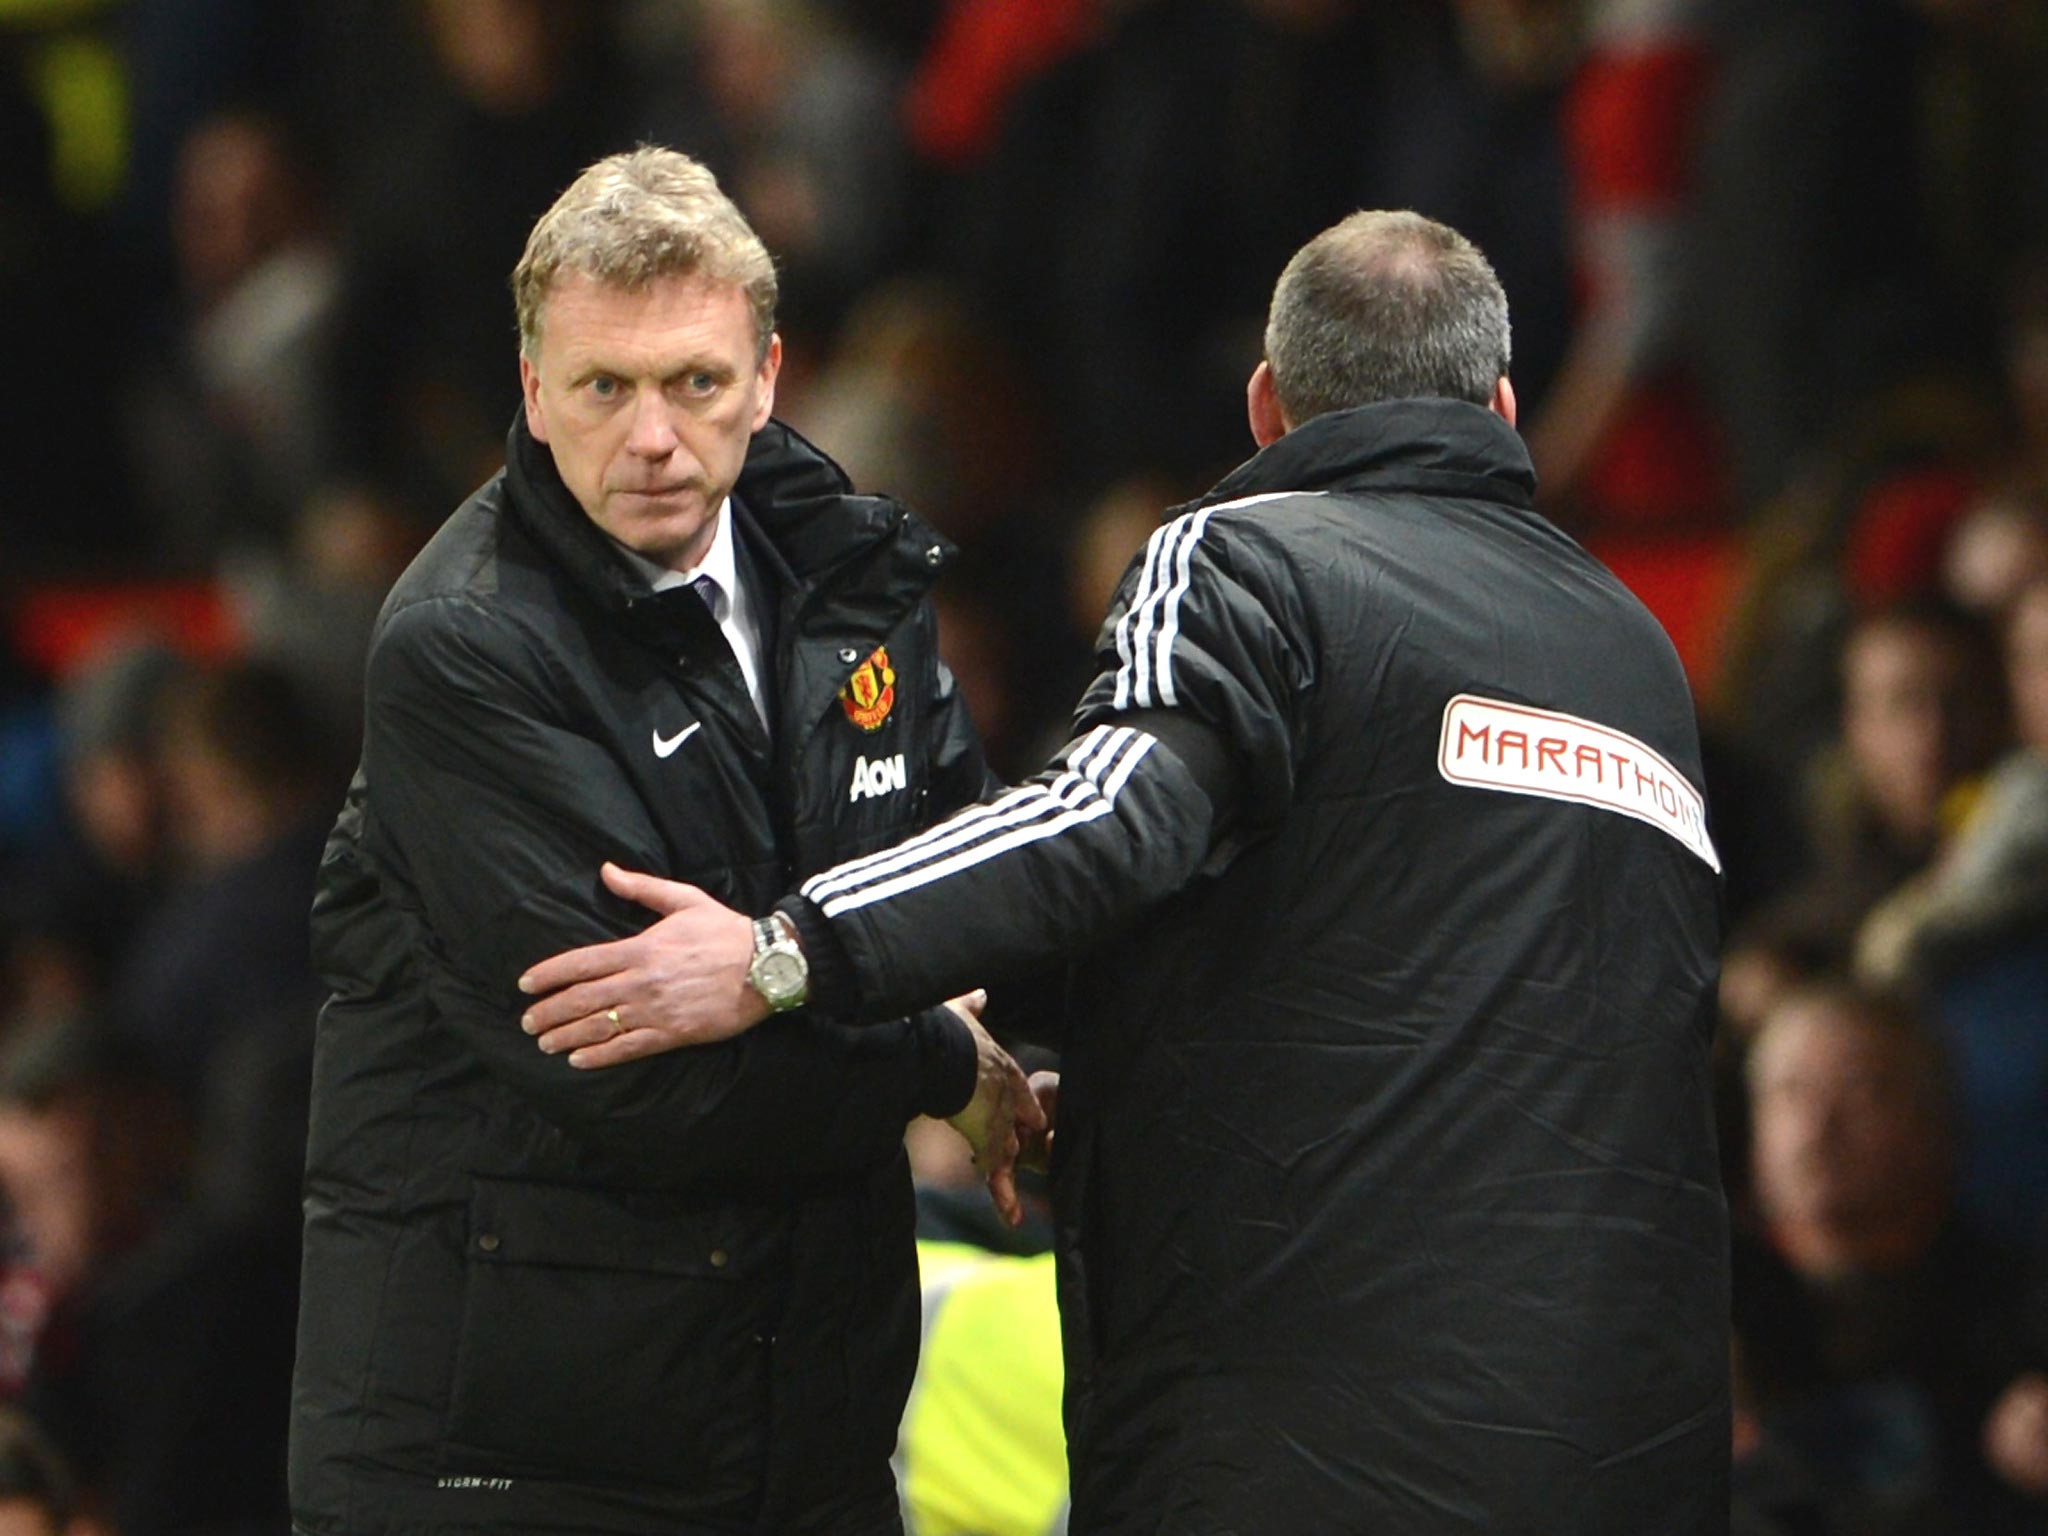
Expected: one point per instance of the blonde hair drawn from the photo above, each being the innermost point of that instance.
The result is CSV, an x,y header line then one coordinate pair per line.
x,y
636,217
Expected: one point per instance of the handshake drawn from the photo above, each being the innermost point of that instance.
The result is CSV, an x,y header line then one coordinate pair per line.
x,y
1009,1121
683,981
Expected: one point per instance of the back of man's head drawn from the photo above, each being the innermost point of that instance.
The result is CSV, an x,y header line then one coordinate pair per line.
x,y
1386,306
634,218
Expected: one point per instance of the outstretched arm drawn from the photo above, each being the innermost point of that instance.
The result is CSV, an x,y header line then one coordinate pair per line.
x,y
1187,741
624,1000
1124,819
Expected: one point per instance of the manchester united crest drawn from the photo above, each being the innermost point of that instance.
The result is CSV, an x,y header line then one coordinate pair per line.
x,y
870,693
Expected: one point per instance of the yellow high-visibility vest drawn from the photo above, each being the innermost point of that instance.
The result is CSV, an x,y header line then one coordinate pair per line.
x,y
982,1451
80,80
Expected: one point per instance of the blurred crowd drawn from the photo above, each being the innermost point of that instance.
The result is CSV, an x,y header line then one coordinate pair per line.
x,y
1779,271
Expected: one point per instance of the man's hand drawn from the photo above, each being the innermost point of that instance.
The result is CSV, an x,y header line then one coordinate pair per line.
x,y
681,982
1037,1151
1001,1112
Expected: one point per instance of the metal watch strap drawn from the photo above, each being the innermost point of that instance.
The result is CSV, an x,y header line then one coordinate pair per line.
x,y
775,941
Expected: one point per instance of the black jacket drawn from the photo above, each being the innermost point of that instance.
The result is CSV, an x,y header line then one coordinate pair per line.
x,y
678,1296
1385,1173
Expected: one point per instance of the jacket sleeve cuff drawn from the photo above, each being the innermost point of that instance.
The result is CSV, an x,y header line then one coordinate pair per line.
x,y
949,1062
945,1045
833,988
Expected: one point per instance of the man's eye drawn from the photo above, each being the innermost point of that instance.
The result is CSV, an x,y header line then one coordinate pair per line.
x,y
604,387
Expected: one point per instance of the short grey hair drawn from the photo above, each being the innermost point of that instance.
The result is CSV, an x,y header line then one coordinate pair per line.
x,y
1385,306
636,217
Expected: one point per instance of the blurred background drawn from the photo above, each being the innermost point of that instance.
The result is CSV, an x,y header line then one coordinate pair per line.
x,y
1779,274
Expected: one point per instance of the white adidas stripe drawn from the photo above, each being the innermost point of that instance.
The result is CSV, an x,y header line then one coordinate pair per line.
x,y
1134,629
1121,772
926,874
1151,623
1092,755
1102,742
1160,537
1169,626
1105,755
1033,803
1017,805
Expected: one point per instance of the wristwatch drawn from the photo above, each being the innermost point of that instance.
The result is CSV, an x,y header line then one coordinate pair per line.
x,y
779,971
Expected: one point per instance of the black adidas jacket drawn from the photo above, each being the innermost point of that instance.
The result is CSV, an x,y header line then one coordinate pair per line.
x,y
677,1297
1385,1173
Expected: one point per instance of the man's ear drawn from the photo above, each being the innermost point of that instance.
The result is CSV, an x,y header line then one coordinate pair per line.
x,y
529,389
771,366
1503,402
1262,407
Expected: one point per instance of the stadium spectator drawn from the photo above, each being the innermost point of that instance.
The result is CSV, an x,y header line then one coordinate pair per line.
x,y
106,721
1143,188
308,608
1989,881
1861,528
917,396
1625,436
160,1345
1921,715
1997,550
1971,933
1917,1325
74,901
455,124
233,414
815,146
249,784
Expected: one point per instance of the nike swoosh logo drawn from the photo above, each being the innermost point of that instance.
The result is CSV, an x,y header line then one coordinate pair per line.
x,y
665,746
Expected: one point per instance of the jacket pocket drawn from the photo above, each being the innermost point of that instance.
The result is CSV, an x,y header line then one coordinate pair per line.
x,y
612,1336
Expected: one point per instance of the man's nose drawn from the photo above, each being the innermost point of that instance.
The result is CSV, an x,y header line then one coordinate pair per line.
x,y
653,434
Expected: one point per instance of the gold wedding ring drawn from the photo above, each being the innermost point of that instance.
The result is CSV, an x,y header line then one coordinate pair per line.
x,y
618,1024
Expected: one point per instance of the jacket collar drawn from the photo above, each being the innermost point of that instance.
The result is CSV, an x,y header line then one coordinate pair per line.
x,y
815,536
1431,447
544,507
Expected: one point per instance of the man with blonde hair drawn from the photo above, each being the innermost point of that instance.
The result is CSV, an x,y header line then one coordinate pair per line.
x,y
683,1298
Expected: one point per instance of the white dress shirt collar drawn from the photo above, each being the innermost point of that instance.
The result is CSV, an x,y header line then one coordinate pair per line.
x,y
720,563
736,609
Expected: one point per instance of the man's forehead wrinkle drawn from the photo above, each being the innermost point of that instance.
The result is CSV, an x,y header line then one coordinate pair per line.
x,y
631,361
629,345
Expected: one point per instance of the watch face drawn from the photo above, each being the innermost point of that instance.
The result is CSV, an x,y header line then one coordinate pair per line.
x,y
779,975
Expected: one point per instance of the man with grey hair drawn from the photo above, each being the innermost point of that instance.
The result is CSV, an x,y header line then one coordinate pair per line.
x,y
682,1297
1384,1175
1387,306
